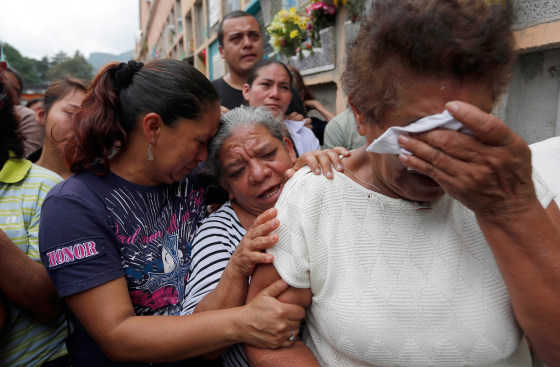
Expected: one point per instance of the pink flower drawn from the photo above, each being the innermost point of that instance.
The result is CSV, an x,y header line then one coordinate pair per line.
x,y
309,26
307,46
282,42
317,5
329,9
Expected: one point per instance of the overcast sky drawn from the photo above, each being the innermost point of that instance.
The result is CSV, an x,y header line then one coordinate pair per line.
x,y
38,28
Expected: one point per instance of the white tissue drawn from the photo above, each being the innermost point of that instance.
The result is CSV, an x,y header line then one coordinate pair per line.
x,y
387,143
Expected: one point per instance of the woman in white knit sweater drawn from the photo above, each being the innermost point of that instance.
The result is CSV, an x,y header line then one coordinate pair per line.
x,y
436,249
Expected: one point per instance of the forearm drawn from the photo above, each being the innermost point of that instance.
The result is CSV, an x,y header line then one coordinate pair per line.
x,y
526,245
26,283
296,355
323,111
231,291
147,338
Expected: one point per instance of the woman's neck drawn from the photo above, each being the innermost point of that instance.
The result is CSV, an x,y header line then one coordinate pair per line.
x,y
132,167
52,159
363,168
244,216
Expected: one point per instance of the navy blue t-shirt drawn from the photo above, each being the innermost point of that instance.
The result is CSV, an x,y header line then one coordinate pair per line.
x,y
95,229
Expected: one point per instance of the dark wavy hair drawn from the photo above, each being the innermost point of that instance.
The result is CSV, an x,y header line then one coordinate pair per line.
x,y
171,88
465,40
11,139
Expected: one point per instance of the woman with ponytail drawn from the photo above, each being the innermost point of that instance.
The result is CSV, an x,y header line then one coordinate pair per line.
x,y
115,237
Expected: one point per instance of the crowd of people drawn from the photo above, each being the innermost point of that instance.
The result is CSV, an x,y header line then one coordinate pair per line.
x,y
156,218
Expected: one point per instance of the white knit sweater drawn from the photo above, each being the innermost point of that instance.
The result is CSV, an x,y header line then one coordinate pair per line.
x,y
393,285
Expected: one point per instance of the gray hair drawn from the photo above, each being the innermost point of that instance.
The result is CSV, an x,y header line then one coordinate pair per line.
x,y
235,119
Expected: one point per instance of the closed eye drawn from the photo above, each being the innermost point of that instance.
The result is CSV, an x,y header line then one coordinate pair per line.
x,y
237,172
271,154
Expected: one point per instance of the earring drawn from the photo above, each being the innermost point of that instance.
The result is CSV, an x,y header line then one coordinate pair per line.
x,y
150,153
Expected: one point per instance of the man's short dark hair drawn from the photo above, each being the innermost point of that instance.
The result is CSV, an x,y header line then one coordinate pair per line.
x,y
232,15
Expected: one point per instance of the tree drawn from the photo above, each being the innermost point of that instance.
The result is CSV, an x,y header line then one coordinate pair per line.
x,y
60,58
63,66
42,66
23,65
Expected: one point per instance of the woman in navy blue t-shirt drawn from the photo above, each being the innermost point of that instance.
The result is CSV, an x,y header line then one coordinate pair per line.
x,y
115,237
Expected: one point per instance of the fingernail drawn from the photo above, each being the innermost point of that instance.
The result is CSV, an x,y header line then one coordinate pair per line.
x,y
452,107
340,167
317,171
329,174
403,157
403,139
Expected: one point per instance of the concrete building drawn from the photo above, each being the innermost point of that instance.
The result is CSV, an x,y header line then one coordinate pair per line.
x,y
532,105
187,30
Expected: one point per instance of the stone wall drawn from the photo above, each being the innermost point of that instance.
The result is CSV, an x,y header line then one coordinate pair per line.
x,y
531,107
531,12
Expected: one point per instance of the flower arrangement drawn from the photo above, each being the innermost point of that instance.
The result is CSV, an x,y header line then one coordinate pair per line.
x,y
322,15
287,31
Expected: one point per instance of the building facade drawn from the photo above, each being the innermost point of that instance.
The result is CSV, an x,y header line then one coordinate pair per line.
x,y
187,30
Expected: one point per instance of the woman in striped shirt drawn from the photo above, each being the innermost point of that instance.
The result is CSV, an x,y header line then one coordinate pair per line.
x,y
248,157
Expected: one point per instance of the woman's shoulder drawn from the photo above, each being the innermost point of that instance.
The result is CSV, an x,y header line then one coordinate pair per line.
x,y
305,186
79,183
83,189
220,228
304,177
224,218
39,180
47,176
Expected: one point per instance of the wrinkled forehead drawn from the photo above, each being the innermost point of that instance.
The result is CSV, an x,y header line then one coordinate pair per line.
x,y
252,138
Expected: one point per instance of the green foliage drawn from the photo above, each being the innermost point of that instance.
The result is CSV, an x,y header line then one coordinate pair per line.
x,y
60,58
38,71
42,66
63,66
23,65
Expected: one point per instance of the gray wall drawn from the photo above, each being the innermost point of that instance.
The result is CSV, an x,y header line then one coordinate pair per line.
x,y
326,94
531,107
532,12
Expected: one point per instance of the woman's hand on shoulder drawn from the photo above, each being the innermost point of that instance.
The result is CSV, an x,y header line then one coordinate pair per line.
x,y
321,161
489,173
248,253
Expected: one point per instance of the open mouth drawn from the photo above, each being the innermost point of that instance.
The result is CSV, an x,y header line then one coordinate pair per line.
x,y
271,192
